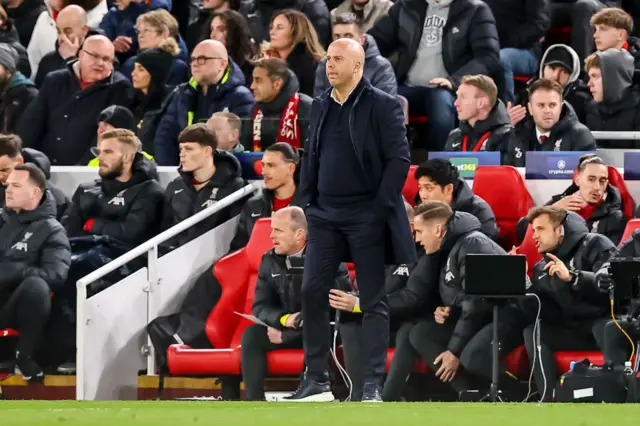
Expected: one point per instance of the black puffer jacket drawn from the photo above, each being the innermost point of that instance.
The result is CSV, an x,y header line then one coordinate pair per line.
x,y
63,119
19,93
33,243
567,135
272,114
25,17
182,200
585,252
275,295
9,35
497,125
39,159
129,212
469,42
608,218
463,237
464,200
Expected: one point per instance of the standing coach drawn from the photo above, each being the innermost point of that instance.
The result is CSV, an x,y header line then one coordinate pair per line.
x,y
355,164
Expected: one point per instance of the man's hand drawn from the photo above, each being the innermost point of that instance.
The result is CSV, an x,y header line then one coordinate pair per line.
x,y
449,364
514,251
442,82
291,320
275,336
341,300
122,44
571,203
516,113
441,314
68,48
557,267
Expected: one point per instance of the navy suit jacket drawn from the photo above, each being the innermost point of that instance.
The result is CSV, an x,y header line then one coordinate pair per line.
x,y
378,135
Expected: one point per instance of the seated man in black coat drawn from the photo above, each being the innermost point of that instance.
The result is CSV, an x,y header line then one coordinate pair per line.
x,y
592,197
12,154
484,122
206,177
277,303
438,179
280,168
442,341
553,126
281,113
34,260
616,96
125,204
573,309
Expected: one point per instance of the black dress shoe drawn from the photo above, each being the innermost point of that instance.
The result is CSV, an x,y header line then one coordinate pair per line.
x,y
371,393
311,391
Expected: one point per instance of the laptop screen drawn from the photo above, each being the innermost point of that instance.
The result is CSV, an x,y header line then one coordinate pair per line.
x,y
495,275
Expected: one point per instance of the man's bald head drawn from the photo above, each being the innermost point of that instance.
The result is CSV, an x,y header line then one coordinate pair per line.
x,y
72,13
345,64
101,44
209,61
289,230
96,59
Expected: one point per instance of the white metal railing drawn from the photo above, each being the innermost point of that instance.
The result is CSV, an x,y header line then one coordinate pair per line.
x,y
619,136
151,248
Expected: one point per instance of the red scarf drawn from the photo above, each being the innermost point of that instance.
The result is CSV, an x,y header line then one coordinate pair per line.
x,y
478,146
280,204
587,211
288,131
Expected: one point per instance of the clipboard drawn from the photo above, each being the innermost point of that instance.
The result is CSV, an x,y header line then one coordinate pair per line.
x,y
251,318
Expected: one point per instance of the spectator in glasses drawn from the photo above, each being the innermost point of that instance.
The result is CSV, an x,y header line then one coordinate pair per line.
x,y
217,85
62,120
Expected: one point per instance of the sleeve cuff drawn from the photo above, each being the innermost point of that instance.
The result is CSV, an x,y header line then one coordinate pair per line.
x,y
283,320
356,307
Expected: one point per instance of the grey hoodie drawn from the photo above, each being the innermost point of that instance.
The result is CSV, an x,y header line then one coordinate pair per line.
x,y
428,63
617,67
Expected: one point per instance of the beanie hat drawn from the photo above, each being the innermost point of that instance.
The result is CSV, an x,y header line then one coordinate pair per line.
x,y
157,62
8,57
119,117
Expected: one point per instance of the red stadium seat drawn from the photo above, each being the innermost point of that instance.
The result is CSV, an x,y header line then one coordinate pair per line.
x,y
410,189
418,367
236,273
517,362
528,248
414,119
632,225
615,179
257,167
504,189
9,332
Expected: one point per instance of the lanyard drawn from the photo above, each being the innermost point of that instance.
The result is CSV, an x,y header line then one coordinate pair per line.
x,y
481,142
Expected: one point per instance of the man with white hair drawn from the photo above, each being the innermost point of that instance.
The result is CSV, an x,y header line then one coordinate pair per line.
x,y
217,84
63,119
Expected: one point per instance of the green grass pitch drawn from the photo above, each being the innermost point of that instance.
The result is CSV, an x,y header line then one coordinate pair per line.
x,y
183,413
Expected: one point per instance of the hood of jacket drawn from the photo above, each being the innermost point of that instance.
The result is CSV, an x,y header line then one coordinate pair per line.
x,y
45,210
19,79
575,229
577,66
497,117
10,34
277,106
612,201
459,225
462,196
31,155
232,78
143,170
617,67
227,167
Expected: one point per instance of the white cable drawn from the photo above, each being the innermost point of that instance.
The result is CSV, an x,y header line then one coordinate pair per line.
x,y
536,329
341,370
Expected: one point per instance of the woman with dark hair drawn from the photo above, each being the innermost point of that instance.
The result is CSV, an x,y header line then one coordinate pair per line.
x,y
200,29
231,29
294,40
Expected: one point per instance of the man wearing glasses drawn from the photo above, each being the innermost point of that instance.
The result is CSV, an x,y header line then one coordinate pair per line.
x,y
217,85
62,120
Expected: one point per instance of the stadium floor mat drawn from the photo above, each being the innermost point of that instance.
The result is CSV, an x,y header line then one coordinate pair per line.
x,y
183,413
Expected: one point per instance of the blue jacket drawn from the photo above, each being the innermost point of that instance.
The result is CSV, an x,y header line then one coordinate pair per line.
x,y
178,74
377,69
230,94
378,135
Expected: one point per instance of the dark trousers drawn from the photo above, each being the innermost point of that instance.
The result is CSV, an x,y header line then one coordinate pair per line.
x,y
554,337
332,234
253,352
437,103
578,15
401,365
27,310
615,345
